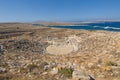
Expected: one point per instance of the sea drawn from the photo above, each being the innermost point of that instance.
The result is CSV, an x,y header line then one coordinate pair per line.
x,y
108,26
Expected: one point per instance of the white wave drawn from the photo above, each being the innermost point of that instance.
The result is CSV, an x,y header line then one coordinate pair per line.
x,y
97,26
106,27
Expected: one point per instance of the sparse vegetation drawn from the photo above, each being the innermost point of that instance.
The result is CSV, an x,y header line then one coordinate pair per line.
x,y
111,63
26,57
31,67
66,72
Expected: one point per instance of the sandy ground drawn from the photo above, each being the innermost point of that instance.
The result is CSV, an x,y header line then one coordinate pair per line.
x,y
59,50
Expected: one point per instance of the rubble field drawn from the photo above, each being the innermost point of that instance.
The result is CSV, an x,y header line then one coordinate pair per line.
x,y
29,52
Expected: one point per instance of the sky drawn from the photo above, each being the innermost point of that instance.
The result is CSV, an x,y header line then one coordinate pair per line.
x,y
58,10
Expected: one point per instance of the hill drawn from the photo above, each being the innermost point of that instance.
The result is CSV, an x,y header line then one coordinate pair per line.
x,y
29,52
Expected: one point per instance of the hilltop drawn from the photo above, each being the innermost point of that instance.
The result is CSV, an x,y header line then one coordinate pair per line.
x,y
29,52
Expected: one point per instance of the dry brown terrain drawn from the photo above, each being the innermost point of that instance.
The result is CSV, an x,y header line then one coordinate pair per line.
x,y
30,52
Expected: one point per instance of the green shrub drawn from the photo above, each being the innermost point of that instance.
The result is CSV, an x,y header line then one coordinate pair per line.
x,y
21,70
110,63
66,72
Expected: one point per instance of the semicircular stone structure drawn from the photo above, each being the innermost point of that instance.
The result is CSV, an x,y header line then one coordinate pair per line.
x,y
66,46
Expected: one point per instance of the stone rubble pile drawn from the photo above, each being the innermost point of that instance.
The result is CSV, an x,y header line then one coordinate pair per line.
x,y
24,46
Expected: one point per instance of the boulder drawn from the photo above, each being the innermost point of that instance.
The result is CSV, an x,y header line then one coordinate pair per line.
x,y
78,75
2,70
54,71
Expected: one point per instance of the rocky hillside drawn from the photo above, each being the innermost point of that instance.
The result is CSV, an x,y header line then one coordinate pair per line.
x,y
30,52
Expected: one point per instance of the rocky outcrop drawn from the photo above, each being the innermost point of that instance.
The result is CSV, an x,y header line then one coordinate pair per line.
x,y
79,75
24,46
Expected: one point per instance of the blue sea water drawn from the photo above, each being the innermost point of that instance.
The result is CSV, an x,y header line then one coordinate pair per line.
x,y
109,26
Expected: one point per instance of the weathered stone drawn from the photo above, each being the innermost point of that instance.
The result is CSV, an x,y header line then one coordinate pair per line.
x,y
54,71
78,75
2,70
26,46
